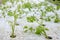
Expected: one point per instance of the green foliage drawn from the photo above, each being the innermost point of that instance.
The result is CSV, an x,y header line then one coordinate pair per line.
x,y
4,1
10,13
49,8
26,28
57,19
43,13
40,30
31,19
20,11
31,29
27,5
58,7
16,16
48,18
56,2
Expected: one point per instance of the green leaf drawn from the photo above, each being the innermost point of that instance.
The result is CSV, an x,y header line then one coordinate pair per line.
x,y
31,19
57,20
31,29
10,13
27,5
40,30
25,27
48,19
49,8
58,7
43,13
46,29
16,16
4,1
20,11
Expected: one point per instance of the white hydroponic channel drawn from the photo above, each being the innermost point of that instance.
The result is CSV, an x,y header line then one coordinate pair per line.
x,y
5,29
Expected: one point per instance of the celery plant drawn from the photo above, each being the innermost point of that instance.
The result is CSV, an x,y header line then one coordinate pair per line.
x,y
13,23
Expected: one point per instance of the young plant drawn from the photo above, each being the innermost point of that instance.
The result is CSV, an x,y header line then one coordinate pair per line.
x,y
41,29
13,23
38,30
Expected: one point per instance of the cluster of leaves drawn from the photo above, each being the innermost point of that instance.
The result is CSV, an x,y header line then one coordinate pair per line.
x,y
12,14
31,19
48,18
49,8
26,28
38,30
58,7
27,5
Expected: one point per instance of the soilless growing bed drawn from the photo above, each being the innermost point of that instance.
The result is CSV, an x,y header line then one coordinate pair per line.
x,y
29,20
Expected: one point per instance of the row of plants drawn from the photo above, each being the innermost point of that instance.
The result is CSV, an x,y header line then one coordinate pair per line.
x,y
28,5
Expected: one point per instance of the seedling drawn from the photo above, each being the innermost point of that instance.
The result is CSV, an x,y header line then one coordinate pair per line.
x,y
40,30
14,23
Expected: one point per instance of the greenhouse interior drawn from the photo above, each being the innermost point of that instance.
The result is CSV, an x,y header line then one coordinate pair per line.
x,y
29,19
